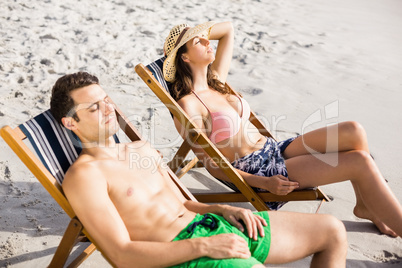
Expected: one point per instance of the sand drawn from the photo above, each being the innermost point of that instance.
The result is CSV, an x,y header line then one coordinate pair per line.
x,y
300,64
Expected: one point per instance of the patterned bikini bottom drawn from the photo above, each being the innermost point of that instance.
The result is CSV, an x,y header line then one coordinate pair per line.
x,y
267,162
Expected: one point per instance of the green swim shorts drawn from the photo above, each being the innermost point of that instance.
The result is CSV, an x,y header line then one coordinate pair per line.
x,y
211,224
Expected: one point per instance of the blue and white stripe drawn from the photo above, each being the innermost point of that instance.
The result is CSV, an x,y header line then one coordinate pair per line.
x,y
156,69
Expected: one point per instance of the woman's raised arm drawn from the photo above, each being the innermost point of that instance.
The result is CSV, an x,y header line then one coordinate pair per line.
x,y
224,33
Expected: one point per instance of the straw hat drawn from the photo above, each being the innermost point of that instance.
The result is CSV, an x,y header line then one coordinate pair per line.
x,y
178,36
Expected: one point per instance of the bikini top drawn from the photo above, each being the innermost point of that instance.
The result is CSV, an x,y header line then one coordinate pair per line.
x,y
226,124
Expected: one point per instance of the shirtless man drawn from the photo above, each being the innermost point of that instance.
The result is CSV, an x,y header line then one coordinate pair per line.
x,y
139,217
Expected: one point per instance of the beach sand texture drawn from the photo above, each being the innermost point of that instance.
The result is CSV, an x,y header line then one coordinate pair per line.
x,y
300,64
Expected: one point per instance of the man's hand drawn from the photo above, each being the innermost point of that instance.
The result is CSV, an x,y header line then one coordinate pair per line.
x,y
280,185
225,246
253,223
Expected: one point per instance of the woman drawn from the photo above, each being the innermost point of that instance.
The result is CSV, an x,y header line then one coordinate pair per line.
x,y
327,155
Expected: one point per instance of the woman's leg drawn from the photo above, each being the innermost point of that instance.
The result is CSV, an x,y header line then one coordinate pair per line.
x,y
362,212
298,235
341,137
344,136
380,204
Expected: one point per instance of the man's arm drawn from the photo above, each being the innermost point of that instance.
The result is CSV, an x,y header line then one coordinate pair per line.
x,y
86,190
235,215
254,223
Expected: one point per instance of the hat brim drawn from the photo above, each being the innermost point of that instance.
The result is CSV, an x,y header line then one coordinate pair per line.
x,y
169,68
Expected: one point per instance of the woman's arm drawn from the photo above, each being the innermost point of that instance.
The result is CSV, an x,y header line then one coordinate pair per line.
x,y
224,33
276,184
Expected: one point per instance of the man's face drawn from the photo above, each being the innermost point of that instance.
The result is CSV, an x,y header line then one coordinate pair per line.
x,y
97,115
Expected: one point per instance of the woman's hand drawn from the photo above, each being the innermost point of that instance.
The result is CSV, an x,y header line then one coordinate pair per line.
x,y
280,185
253,223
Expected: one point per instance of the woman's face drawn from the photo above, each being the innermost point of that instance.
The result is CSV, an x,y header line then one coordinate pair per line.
x,y
199,51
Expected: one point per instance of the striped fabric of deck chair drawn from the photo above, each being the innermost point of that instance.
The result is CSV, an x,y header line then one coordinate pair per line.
x,y
152,75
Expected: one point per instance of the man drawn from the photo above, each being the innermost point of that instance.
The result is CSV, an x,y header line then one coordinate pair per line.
x,y
140,218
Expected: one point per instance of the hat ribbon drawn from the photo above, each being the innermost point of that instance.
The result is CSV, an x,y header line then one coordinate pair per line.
x,y
181,36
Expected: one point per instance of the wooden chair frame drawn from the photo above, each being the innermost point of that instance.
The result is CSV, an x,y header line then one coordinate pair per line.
x,y
247,194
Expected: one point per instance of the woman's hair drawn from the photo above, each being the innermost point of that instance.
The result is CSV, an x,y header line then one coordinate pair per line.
x,y
61,102
183,83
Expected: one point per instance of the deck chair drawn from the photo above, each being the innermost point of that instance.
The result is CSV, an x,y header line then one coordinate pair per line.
x,y
56,149
152,75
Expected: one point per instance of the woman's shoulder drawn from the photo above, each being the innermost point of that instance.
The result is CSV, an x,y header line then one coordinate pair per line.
x,y
186,100
190,104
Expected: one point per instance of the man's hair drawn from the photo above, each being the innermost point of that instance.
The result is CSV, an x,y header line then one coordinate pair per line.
x,y
61,102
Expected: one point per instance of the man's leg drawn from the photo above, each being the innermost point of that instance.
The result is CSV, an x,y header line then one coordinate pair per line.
x,y
297,235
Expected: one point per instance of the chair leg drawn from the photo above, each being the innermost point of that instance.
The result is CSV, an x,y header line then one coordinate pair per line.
x,y
322,195
187,167
184,149
67,243
179,157
83,256
319,206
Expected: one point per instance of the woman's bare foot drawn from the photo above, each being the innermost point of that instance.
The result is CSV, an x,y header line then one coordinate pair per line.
x,y
363,213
